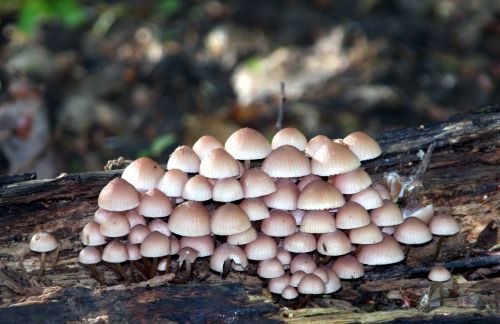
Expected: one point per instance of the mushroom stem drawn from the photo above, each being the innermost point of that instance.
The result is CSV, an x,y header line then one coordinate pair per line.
x,y
188,268
96,275
143,272
247,164
115,269
121,272
225,269
42,266
146,262
135,269
152,269
441,293
167,266
438,248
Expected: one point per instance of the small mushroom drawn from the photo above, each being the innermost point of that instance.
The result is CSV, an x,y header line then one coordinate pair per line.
x,y
437,276
43,242
187,256
90,256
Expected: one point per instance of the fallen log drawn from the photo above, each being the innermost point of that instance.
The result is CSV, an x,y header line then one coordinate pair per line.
x,y
461,179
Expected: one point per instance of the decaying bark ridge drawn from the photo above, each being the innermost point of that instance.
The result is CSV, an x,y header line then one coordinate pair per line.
x,y
461,179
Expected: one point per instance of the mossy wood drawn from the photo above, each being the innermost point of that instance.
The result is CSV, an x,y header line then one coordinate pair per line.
x,y
461,179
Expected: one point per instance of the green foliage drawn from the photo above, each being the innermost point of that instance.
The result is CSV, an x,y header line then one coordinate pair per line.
x,y
169,8
254,63
159,145
31,12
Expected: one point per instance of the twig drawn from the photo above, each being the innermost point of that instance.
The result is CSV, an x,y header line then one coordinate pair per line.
x,y
10,179
281,111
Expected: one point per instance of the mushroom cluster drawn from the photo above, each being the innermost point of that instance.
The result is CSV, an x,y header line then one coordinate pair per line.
x,y
281,209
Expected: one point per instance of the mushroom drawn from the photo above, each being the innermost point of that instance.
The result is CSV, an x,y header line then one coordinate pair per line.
x,y
114,253
43,242
187,256
247,144
89,257
437,276
443,225
154,246
289,136
226,255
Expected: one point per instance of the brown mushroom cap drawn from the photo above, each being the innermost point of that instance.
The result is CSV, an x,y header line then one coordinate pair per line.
x,y
138,233
190,218
219,165
285,196
289,292
369,234
247,144
352,182
348,267
286,162
444,225
262,248
335,243
315,144
115,252
439,274
89,255
116,225
303,262
118,195
244,237
300,243
133,251
311,285
205,245
279,224
332,159
317,222
256,183
197,188
91,235
100,215
289,136
387,215
255,209
412,231
369,198
205,145
352,215
333,284
363,145
296,278
386,252
320,195
143,174
185,159
172,183
227,190
155,204
276,285
229,219
43,242
270,268
155,245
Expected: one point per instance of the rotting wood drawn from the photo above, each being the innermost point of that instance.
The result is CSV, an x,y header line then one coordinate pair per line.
x,y
461,179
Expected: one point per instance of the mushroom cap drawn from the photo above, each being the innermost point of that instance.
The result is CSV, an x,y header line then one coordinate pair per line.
x,y
262,248
219,164
143,174
155,245
285,196
185,159
244,237
227,190
43,242
155,204
304,181
100,215
284,256
300,243
205,145
187,254
335,243
321,273
289,136
89,255
352,182
256,183
197,188
320,195
255,209
352,215
276,285
190,218
317,222
311,284
227,251
205,245
279,224
333,284
439,274
382,191
424,213
172,183
412,231
247,144
444,225
116,225
174,245
348,267
115,252
159,225
138,233
386,252
91,235
387,215
363,145
133,251
303,262
369,198
289,292
296,278
315,144
270,268
369,234
298,214
118,195
286,162
134,218
229,219
332,159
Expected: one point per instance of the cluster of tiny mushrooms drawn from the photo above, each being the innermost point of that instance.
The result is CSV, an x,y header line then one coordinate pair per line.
x,y
302,203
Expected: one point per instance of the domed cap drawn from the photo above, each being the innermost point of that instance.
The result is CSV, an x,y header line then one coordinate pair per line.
x,y
155,245
285,196
276,285
255,209
412,231
348,267
270,268
91,235
143,174
369,234
115,252
387,215
311,285
185,159
320,195
205,145
247,144
229,219
89,255
205,245
304,181
444,225
368,198
118,195
280,224
439,274
100,215
244,237
424,213
333,284
352,215
386,252
227,190
172,183
364,146
289,292
138,233
159,225
225,252
116,225
335,243
43,242
300,243
317,222
352,182
333,158
303,262
218,165
296,278
197,188
284,256
286,162
133,251
289,136
155,204
315,144
134,218
256,183
382,191
190,218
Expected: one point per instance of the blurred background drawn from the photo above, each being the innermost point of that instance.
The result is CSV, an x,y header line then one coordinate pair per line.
x,y
82,82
